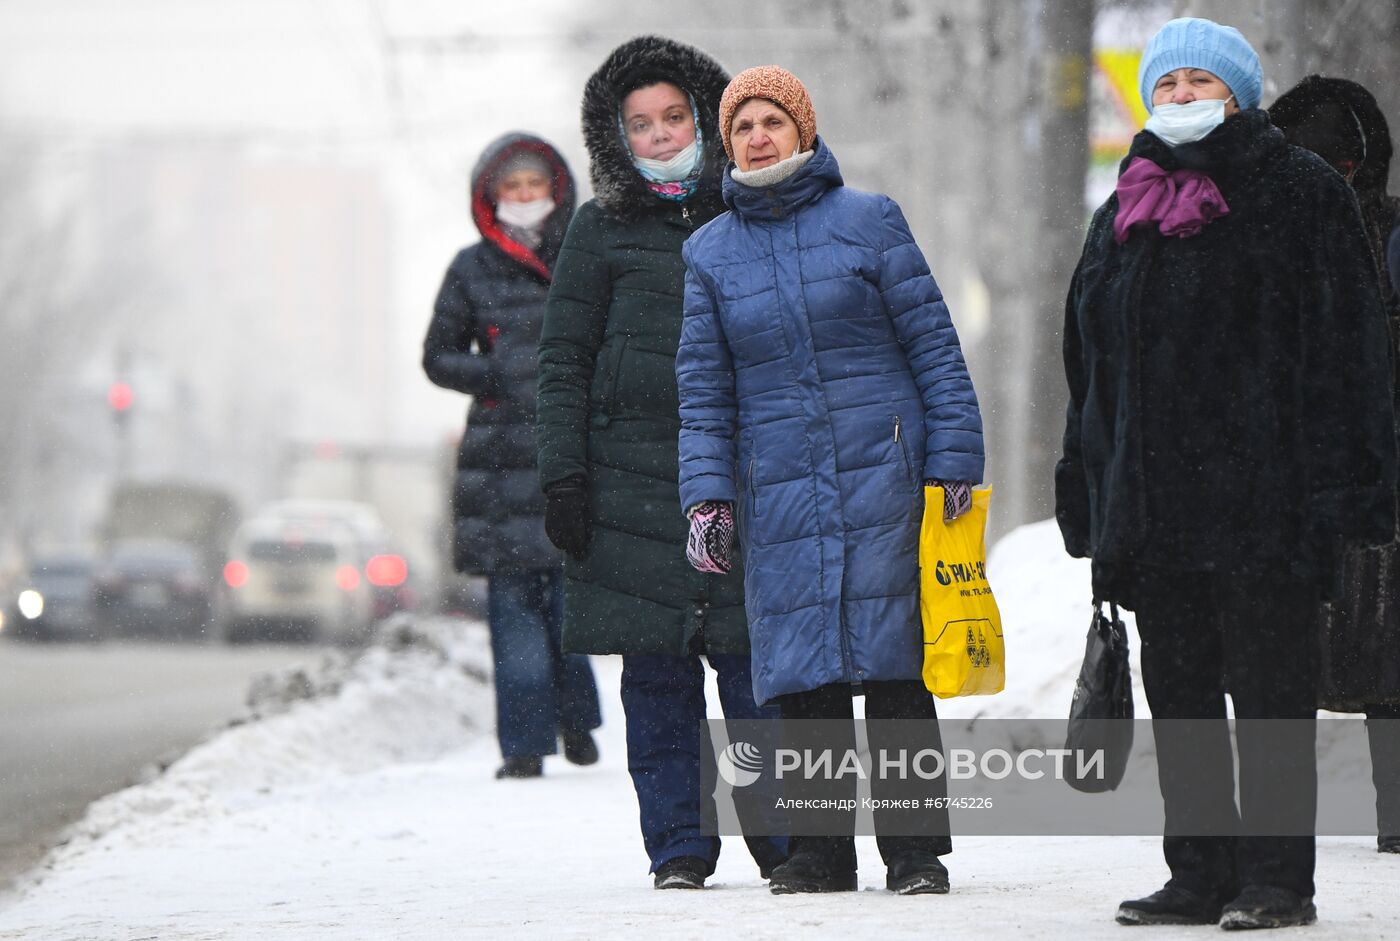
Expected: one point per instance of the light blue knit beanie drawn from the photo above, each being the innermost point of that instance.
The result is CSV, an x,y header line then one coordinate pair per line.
x,y
1194,43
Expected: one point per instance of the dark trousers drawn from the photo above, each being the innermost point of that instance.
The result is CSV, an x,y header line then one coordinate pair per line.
x,y
1254,637
1383,731
889,699
663,698
540,691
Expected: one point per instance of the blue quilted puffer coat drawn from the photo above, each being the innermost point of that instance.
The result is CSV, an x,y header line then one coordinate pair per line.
x,y
820,382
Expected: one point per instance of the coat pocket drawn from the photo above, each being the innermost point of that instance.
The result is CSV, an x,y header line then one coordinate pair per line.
x,y
606,371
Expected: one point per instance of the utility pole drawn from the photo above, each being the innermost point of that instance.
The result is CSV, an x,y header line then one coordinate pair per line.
x,y
1028,406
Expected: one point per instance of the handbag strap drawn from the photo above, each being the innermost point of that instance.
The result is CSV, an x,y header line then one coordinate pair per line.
x,y
1112,607
1116,624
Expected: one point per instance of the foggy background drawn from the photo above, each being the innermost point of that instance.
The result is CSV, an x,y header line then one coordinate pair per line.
x,y
240,210
223,224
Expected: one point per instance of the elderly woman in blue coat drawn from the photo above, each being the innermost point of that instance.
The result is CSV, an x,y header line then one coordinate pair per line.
x,y
821,385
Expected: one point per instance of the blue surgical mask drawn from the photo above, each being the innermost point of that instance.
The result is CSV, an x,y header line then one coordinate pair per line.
x,y
678,168
1181,124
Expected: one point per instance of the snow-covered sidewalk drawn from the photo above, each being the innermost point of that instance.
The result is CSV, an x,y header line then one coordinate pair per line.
x,y
370,811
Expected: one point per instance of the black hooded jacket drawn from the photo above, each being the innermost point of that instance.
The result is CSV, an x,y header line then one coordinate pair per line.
x,y
1229,392
1337,118
609,412
1360,651
482,341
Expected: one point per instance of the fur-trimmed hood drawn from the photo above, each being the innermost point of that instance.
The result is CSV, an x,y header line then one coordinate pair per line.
x,y
617,186
483,206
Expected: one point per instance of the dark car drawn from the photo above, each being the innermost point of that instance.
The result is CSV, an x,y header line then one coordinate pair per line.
x,y
54,602
151,587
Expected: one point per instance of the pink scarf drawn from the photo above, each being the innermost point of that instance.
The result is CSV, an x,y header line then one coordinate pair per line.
x,y
1181,202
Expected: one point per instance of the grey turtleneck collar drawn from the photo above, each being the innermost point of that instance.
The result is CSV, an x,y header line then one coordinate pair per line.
x,y
774,173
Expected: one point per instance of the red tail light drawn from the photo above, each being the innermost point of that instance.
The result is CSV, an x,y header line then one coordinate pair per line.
x,y
386,571
347,578
235,574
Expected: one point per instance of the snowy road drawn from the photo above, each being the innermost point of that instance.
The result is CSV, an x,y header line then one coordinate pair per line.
x,y
78,721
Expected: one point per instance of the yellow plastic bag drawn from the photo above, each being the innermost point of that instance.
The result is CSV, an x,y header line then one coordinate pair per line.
x,y
963,650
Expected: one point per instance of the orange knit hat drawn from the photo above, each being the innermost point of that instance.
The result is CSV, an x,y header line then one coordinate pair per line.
x,y
779,86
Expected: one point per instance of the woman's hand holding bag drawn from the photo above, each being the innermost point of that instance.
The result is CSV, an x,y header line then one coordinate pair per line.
x,y
957,497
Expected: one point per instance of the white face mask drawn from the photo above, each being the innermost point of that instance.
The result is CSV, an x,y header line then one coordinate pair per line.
x,y
527,215
1181,124
674,170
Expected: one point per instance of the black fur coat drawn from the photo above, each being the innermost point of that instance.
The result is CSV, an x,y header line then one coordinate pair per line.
x,y
1230,404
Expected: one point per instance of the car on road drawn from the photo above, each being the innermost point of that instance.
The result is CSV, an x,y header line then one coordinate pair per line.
x,y
322,570
296,580
155,588
53,601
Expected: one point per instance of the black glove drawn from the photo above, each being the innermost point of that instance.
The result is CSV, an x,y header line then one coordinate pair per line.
x,y
566,520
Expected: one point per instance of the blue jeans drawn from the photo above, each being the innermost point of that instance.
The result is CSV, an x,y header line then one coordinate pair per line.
x,y
540,691
663,698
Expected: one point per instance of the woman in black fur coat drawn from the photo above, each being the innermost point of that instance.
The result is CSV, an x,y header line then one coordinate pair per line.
x,y
1230,425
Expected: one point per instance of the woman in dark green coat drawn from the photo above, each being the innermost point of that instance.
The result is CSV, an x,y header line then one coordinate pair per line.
x,y
608,424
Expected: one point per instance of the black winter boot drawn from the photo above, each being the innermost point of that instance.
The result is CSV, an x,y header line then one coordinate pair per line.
x,y
1268,906
1388,844
530,767
683,872
917,873
579,747
817,864
1169,905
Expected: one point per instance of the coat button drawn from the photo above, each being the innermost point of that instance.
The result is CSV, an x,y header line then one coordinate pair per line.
x,y
699,612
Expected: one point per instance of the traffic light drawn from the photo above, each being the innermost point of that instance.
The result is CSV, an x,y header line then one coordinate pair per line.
x,y
119,400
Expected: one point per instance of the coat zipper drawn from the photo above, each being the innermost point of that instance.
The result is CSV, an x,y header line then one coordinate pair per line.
x,y
903,451
753,489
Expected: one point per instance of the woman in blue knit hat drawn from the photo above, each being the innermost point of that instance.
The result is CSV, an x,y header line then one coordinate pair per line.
x,y
1229,427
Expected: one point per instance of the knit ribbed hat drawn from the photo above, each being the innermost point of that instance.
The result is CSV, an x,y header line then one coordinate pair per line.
x,y
1194,43
779,86
523,160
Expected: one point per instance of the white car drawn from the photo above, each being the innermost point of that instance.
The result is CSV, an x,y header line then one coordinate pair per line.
x,y
298,576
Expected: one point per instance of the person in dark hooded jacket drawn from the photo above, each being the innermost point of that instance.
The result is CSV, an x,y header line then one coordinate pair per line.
x,y
607,431
1229,425
1340,121
482,341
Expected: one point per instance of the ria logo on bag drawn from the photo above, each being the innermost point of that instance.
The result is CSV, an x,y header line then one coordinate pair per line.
x,y
971,574
740,764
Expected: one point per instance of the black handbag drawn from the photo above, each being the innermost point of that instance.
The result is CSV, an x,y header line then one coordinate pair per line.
x,y
1101,715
